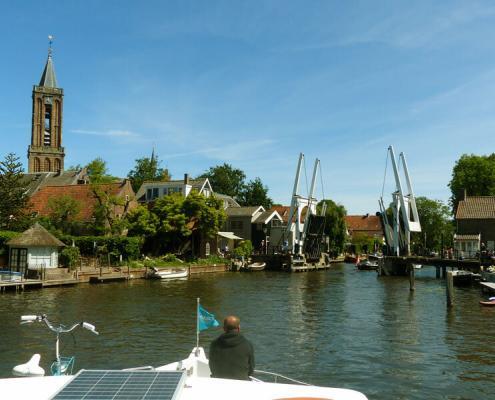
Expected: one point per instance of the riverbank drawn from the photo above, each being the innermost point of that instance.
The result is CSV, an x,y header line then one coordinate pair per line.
x,y
63,277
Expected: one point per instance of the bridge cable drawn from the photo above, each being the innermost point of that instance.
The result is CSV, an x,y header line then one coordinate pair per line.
x,y
385,174
321,179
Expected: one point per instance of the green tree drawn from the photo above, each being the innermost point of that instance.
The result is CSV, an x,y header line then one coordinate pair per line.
x,y
63,211
106,220
14,199
206,212
142,222
172,219
473,174
98,172
436,224
172,227
254,193
335,227
147,169
225,179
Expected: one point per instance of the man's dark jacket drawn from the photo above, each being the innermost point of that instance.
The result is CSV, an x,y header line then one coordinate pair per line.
x,y
231,357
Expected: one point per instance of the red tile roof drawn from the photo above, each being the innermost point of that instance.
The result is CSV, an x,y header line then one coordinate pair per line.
x,y
367,224
82,193
476,207
283,211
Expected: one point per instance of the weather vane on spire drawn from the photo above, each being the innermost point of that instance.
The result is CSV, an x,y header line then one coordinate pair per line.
x,y
50,41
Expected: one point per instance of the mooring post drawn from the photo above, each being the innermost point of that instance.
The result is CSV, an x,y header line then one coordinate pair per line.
x,y
450,288
444,271
411,278
437,272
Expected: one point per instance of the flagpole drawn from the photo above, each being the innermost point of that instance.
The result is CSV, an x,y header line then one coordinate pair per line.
x,y
197,327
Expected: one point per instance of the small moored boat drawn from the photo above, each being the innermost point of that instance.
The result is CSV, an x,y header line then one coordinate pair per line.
x,y
168,273
258,266
490,302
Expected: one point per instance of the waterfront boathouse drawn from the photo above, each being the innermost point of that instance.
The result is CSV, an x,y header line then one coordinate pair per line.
x,y
35,248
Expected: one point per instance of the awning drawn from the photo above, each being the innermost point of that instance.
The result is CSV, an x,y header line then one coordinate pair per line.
x,y
229,235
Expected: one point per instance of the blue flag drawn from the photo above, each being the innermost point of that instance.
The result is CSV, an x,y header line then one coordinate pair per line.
x,y
205,319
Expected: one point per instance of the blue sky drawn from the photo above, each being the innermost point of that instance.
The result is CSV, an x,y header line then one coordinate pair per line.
x,y
253,83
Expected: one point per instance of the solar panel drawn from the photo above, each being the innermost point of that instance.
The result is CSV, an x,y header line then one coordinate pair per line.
x,y
123,385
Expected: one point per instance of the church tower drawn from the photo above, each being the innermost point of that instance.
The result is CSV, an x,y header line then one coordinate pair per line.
x,y
46,154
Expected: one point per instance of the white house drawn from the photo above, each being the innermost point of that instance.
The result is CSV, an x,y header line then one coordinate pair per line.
x,y
33,249
150,191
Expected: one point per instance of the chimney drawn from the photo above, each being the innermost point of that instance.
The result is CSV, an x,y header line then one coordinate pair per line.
x,y
186,179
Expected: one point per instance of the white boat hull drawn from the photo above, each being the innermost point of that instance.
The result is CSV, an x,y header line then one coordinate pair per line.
x,y
169,273
198,386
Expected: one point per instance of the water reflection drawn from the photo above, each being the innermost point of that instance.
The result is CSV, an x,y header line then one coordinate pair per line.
x,y
341,327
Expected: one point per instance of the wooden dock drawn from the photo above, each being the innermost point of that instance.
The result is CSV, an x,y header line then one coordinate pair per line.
x,y
60,282
20,284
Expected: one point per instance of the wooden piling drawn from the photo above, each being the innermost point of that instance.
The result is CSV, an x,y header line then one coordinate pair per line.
x,y
437,272
444,271
449,284
411,278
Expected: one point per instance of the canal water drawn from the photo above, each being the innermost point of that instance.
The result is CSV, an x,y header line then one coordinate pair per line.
x,y
341,328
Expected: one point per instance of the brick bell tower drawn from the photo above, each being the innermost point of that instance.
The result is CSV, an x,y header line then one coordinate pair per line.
x,y
46,154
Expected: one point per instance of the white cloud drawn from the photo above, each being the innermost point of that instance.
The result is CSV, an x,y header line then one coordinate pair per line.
x,y
108,133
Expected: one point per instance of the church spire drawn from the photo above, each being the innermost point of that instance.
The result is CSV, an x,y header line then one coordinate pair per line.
x,y
48,79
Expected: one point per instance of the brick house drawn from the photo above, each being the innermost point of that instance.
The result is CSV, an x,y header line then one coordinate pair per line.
x,y
86,197
366,225
475,215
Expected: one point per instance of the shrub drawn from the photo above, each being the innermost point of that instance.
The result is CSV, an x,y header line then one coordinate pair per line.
x,y
129,247
244,249
69,257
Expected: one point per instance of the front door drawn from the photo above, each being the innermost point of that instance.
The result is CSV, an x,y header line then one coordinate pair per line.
x,y
18,260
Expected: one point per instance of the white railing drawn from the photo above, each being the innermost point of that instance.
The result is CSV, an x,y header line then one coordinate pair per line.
x,y
277,376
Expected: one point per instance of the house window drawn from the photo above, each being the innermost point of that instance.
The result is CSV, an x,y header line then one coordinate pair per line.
x,y
148,194
155,193
236,225
165,191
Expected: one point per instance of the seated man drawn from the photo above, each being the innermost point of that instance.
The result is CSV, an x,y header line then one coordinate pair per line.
x,y
231,354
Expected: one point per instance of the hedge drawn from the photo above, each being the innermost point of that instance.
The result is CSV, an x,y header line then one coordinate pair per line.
x,y
129,247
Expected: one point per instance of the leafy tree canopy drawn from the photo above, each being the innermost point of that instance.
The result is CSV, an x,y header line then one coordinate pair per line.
x,y
254,193
473,174
226,179
98,172
63,211
436,223
335,227
147,169
173,218
15,201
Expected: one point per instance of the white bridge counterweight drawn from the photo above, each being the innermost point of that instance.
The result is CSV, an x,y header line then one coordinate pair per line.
x,y
403,205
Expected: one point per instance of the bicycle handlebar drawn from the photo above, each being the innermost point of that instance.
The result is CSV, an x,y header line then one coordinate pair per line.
x,y
60,329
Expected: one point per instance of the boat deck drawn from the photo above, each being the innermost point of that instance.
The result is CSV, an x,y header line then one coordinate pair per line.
x,y
488,286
